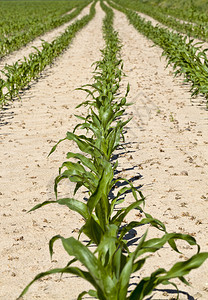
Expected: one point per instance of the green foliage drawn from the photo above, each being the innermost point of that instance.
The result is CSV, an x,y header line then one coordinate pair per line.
x,y
110,266
188,10
169,17
21,73
109,269
21,22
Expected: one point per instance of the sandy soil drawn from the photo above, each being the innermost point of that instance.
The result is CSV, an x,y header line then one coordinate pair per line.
x,y
167,145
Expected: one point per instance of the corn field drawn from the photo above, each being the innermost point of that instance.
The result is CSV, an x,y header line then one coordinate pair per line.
x,y
104,151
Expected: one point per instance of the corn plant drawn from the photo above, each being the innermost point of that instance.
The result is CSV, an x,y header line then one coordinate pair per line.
x,y
109,267
2,96
96,172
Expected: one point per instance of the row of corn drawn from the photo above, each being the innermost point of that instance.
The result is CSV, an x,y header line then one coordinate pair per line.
x,y
110,266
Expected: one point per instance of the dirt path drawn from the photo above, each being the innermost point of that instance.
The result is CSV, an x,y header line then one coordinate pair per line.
x,y
167,144
37,42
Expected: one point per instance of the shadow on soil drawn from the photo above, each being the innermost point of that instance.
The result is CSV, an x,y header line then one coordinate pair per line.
x,y
6,115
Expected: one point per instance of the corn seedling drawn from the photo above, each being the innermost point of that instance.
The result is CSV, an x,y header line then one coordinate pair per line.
x,y
110,266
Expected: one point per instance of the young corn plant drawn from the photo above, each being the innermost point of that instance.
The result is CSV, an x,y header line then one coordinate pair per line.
x,y
2,95
110,266
94,169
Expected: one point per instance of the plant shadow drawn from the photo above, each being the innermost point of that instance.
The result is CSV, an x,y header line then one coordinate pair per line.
x,y
6,115
173,293
130,237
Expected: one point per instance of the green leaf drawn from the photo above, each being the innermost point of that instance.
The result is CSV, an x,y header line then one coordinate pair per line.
x,y
54,147
52,241
71,270
102,189
84,146
87,258
127,270
92,230
127,90
183,268
122,213
40,205
75,205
